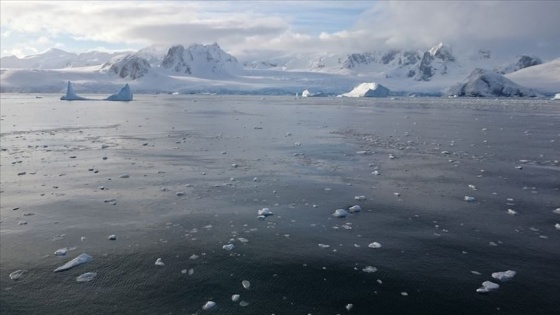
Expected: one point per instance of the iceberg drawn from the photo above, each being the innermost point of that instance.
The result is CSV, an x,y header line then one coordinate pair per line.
x,y
71,95
124,95
504,275
371,89
487,286
556,97
81,259
307,93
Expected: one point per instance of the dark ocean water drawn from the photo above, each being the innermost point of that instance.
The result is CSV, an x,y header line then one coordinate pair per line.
x,y
199,168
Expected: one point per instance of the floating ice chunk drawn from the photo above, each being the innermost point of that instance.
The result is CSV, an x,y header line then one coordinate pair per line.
x,y
180,193
242,240
324,245
159,262
113,237
246,284
557,211
61,251
363,152
404,293
369,269
473,187
265,212
191,272
340,213
469,199
86,277
391,156
557,226
124,176
209,305
504,275
194,256
511,212
349,307
17,274
374,245
375,173
474,272
355,208
360,198
487,286
228,247
81,259
243,303
235,297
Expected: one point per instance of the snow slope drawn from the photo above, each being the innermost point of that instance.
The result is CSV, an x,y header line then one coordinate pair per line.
x,y
487,83
544,77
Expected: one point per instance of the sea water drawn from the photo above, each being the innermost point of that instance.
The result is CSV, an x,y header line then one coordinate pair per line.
x,y
181,177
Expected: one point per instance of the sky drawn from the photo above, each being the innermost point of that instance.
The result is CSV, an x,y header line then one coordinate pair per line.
x,y
260,29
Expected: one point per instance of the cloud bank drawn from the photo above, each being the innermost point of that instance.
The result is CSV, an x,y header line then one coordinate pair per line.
x,y
255,29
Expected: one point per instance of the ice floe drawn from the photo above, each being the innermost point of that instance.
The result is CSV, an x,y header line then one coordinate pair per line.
x,y
360,198
369,269
235,297
209,305
557,211
159,262
265,212
354,209
504,275
488,286
61,252
80,259
340,213
469,199
228,247
349,306
246,284
86,277
17,274
374,245
511,212
557,226
112,237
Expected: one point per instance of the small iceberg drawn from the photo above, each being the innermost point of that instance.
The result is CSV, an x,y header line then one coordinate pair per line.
x,y
355,209
16,274
246,284
209,305
340,213
81,259
374,245
159,262
71,95
504,275
124,95
369,269
265,212
487,286
228,247
366,89
556,97
86,277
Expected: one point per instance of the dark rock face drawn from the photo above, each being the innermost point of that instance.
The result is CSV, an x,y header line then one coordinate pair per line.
x,y
130,66
520,62
354,60
425,71
174,60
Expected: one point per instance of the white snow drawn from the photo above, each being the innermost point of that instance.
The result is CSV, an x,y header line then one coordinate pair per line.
x,y
123,95
487,83
371,89
70,94
80,259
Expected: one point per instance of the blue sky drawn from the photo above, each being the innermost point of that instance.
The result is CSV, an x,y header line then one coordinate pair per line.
x,y
261,28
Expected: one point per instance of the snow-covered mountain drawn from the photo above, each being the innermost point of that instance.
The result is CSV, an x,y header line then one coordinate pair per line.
x,y
207,68
201,61
56,59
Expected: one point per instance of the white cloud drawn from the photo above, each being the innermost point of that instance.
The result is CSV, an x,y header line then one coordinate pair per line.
x,y
245,28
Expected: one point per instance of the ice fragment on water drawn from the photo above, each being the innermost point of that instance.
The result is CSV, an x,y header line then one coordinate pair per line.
x,y
235,297
349,307
324,245
374,245
487,286
246,284
61,251
209,305
404,293
86,277
112,237
504,275
473,187
369,269
355,208
511,212
159,262
469,199
360,198
124,176
242,240
228,247
265,212
17,274
340,213
194,256
557,211
180,193
81,259
243,303
557,226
